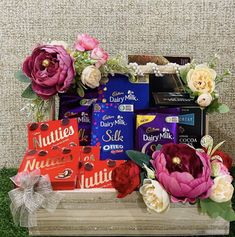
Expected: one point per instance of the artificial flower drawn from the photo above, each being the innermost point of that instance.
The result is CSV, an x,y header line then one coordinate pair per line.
x,y
100,55
154,196
150,172
126,178
204,99
85,43
50,69
201,79
218,168
222,190
91,76
183,171
227,160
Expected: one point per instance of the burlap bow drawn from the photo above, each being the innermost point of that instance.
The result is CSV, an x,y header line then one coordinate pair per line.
x,y
33,192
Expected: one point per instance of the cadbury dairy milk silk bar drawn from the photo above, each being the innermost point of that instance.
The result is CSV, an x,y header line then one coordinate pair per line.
x,y
113,128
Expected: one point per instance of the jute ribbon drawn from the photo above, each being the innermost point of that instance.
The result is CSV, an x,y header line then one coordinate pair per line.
x,y
33,192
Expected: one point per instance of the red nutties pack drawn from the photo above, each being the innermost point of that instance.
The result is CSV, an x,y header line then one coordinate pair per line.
x,y
45,135
59,163
93,172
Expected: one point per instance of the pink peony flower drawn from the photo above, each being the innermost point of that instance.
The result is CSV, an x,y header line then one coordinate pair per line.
x,y
50,69
183,172
100,55
85,43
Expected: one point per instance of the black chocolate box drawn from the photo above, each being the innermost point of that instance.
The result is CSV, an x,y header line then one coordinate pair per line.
x,y
192,118
192,125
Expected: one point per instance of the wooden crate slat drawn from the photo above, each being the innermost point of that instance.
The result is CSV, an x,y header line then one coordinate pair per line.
x,y
100,213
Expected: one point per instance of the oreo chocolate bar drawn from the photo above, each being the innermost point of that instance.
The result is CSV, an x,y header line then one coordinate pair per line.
x,y
113,128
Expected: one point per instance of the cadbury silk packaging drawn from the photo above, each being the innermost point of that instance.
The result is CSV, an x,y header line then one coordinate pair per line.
x,y
153,129
120,90
71,105
113,129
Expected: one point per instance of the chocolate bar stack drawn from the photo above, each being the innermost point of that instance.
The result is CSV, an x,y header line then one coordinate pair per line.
x,y
94,133
122,115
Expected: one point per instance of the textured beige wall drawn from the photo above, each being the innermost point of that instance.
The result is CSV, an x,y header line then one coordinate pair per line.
x,y
197,28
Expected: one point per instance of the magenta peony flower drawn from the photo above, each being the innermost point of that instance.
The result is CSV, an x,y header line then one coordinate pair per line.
x,y
50,69
100,55
183,172
85,43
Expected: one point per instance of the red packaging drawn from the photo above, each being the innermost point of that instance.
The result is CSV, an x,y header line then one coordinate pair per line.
x,y
45,135
61,164
93,172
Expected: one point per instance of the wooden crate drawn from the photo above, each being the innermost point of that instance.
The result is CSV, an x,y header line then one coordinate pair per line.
x,y
99,213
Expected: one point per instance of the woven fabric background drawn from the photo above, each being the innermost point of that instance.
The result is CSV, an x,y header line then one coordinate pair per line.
x,y
197,28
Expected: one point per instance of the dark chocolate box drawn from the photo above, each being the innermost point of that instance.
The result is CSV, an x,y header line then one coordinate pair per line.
x,y
192,118
192,125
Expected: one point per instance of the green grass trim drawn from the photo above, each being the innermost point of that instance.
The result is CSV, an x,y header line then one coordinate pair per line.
x,y
7,227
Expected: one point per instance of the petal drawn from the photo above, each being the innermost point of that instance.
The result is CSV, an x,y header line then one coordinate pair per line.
x,y
174,188
183,177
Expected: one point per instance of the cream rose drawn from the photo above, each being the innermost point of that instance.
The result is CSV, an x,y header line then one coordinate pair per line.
x,y
222,190
201,79
91,76
204,100
154,196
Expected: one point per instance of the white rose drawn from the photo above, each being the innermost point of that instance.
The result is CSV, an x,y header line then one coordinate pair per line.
x,y
155,196
222,189
62,43
204,100
201,79
91,76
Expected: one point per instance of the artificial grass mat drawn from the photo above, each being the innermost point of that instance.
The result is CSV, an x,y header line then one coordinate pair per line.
x,y
8,228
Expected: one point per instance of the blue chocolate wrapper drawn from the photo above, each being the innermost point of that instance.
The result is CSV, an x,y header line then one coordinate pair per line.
x,y
113,128
120,90
73,106
155,129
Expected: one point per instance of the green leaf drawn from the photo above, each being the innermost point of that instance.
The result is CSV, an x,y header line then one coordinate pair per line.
x,y
80,91
29,93
132,78
159,147
142,177
215,209
222,108
183,75
139,158
21,77
218,107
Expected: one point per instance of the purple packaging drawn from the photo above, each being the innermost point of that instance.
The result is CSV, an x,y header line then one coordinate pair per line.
x,y
120,90
113,129
73,106
155,129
